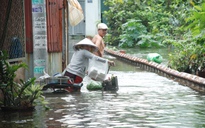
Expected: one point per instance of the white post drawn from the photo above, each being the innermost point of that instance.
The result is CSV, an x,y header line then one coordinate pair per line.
x,y
39,37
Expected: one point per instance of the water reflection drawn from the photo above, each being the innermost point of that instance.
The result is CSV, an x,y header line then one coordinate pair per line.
x,y
144,100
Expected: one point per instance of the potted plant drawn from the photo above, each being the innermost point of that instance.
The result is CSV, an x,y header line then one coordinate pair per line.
x,y
17,96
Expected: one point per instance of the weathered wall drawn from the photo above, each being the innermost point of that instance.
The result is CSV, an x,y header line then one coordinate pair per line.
x,y
195,82
11,24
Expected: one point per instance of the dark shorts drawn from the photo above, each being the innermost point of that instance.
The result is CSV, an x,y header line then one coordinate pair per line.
x,y
75,78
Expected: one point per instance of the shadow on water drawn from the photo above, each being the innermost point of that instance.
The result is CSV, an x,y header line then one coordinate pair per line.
x,y
144,99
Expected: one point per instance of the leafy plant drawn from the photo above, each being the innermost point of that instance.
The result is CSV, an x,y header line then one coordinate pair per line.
x,y
196,21
191,55
160,18
17,95
131,32
180,58
188,56
148,41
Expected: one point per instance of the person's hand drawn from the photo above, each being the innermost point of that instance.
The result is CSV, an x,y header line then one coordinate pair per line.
x,y
111,63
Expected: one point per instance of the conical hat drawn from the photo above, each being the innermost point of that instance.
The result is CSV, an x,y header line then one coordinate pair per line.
x,y
85,41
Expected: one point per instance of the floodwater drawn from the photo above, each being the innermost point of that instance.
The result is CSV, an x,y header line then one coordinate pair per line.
x,y
144,100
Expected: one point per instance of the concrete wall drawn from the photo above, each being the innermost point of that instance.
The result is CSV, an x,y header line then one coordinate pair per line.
x,y
92,16
54,63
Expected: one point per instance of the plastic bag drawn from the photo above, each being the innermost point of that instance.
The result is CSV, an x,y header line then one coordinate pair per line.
x,y
75,12
45,76
97,69
155,57
94,85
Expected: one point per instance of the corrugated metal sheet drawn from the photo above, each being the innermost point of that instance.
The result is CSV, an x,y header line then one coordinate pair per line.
x,y
54,25
28,25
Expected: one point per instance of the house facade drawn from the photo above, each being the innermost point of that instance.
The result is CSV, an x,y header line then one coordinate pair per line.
x,y
37,32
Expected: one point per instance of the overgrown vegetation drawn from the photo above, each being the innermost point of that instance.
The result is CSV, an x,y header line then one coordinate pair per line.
x,y
161,19
21,95
159,23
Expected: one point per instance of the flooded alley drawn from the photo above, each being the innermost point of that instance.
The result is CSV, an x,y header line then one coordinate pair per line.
x,y
144,100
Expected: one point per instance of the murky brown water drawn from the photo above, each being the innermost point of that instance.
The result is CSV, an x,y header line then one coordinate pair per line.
x,y
144,100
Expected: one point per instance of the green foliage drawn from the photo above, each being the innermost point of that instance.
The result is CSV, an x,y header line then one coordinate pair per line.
x,y
158,17
107,38
190,55
131,31
116,16
21,95
175,23
34,95
149,41
7,72
196,21
180,58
